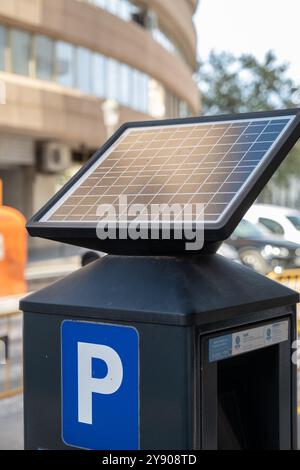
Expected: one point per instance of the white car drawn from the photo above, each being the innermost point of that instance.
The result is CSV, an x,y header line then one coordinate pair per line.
x,y
229,252
280,221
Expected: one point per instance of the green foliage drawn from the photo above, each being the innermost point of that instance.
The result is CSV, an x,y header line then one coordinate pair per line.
x,y
240,84
231,84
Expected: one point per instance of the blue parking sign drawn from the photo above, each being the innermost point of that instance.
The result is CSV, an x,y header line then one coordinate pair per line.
x,y
100,386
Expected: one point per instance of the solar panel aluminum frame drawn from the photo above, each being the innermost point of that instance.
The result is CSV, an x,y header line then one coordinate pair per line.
x,y
84,233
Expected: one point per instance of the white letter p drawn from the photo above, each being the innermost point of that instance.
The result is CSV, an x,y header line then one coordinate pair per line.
x,y
87,384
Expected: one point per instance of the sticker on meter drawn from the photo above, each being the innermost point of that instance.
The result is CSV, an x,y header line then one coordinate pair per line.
x,y
100,386
223,347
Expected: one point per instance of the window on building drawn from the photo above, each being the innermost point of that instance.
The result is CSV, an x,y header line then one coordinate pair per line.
x,y
183,109
133,84
124,9
170,105
65,69
112,79
141,92
167,42
84,69
100,3
127,9
44,56
174,106
113,7
125,84
130,73
2,47
99,75
20,50
163,39
176,111
145,102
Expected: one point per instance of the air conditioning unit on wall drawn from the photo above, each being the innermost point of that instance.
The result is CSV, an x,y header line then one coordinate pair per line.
x,y
53,157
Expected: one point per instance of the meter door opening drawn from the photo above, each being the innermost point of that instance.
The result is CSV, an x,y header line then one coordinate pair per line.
x,y
246,389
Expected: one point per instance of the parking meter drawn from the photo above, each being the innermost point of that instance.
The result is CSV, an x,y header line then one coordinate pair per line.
x,y
163,344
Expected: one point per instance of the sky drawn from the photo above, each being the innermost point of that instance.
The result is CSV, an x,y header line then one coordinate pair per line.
x,y
251,26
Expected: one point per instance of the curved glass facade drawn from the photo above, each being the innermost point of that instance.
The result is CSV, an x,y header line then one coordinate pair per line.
x,y
41,57
128,10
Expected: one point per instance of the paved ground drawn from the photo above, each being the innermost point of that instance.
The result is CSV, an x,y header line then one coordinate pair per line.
x,y
11,424
11,419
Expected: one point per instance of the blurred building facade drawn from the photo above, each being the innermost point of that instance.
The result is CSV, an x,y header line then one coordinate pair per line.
x,y
60,60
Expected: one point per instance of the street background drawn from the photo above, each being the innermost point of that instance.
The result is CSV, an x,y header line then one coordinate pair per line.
x,y
72,71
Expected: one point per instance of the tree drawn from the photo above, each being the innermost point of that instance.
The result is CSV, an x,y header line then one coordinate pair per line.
x,y
231,84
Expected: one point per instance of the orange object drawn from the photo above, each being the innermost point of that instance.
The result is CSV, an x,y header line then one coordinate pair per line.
x,y
13,251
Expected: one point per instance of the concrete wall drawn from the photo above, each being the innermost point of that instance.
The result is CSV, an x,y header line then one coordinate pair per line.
x,y
48,111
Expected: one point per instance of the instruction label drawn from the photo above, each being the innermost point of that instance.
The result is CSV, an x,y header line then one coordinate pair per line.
x,y
223,347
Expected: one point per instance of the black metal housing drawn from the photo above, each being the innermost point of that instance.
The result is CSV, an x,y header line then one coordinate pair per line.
x,y
176,304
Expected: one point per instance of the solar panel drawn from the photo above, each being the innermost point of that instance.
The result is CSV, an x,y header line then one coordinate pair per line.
x,y
213,162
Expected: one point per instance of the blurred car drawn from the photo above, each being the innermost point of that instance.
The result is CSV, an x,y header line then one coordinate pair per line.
x,y
279,221
261,251
88,256
229,252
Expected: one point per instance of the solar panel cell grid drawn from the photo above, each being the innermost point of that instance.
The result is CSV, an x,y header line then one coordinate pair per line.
x,y
201,163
